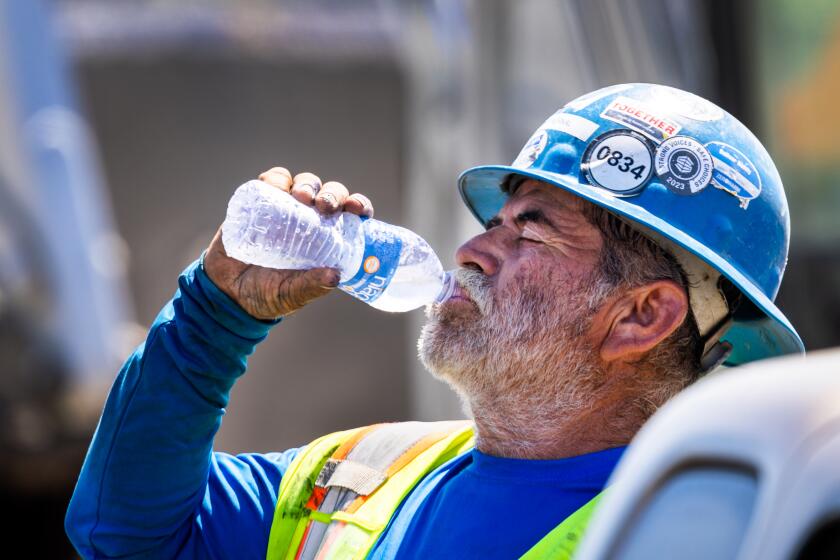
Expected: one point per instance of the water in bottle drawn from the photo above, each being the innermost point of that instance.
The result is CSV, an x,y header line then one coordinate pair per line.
x,y
388,267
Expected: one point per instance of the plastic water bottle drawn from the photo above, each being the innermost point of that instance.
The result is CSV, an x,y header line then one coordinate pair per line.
x,y
388,267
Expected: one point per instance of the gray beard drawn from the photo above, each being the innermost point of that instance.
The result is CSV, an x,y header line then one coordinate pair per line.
x,y
516,358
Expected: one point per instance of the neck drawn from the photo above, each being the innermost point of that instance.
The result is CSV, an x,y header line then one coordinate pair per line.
x,y
548,425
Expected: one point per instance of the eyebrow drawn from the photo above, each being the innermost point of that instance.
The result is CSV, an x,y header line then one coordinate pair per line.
x,y
534,214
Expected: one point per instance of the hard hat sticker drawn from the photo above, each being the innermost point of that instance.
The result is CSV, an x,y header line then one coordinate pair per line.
x,y
683,165
532,150
589,98
636,115
686,104
619,161
734,173
574,125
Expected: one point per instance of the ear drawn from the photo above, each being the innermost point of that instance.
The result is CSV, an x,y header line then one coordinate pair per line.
x,y
641,319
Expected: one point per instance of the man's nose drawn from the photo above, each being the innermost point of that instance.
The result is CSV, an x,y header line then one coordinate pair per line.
x,y
478,253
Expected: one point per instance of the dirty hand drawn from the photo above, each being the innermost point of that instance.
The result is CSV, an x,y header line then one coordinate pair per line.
x,y
266,293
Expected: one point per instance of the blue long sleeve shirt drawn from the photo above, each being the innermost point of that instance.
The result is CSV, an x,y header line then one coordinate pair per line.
x,y
152,487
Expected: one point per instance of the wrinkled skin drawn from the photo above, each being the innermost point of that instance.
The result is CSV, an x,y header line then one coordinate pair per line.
x,y
524,295
540,348
514,342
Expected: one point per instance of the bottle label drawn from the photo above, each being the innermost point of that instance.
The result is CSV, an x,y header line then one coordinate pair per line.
x,y
379,263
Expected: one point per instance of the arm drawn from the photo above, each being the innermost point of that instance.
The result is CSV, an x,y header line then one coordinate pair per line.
x,y
150,485
144,483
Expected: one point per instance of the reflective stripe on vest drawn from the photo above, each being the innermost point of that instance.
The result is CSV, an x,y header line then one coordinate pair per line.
x,y
340,492
562,541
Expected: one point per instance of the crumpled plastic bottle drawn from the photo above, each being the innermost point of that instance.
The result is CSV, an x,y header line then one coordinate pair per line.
x,y
388,267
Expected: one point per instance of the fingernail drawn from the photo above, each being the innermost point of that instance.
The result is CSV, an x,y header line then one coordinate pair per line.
x,y
332,278
329,199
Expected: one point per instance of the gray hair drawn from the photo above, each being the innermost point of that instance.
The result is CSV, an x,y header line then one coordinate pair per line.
x,y
630,259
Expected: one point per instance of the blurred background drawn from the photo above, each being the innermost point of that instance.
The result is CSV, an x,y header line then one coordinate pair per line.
x,y
126,125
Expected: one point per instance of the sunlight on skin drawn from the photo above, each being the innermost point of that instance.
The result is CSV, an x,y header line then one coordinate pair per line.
x,y
540,226
547,364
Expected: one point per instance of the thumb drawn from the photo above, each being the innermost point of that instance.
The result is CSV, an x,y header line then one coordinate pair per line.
x,y
302,286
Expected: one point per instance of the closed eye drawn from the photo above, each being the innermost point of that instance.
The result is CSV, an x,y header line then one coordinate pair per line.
x,y
531,235
522,219
534,226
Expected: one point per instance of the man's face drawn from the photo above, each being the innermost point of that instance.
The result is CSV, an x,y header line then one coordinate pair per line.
x,y
525,304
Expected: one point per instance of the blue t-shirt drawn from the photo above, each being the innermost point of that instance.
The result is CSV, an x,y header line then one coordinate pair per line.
x,y
151,486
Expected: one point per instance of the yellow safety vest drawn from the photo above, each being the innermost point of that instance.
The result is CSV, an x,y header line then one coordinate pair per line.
x,y
340,492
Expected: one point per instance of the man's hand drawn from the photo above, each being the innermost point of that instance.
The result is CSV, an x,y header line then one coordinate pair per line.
x,y
266,293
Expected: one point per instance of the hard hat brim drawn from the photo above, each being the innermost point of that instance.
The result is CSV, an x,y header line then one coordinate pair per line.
x,y
754,336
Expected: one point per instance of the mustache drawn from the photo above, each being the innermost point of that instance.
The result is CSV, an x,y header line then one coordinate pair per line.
x,y
477,286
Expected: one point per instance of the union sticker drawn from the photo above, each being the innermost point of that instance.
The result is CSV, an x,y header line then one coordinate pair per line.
x,y
686,104
532,150
734,173
683,165
636,115
619,161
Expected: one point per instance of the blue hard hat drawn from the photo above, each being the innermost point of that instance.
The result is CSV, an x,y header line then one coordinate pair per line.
x,y
693,178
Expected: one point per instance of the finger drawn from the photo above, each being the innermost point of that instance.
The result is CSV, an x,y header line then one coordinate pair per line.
x,y
325,278
304,286
331,198
358,203
305,187
277,177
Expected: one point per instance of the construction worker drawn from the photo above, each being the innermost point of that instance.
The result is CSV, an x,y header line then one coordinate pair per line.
x,y
636,242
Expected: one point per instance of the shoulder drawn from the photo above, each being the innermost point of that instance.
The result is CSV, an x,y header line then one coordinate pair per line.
x,y
385,447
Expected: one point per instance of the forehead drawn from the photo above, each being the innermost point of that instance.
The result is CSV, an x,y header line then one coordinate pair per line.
x,y
551,196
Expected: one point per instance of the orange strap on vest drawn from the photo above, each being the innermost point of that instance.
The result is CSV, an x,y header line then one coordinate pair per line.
x,y
340,492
